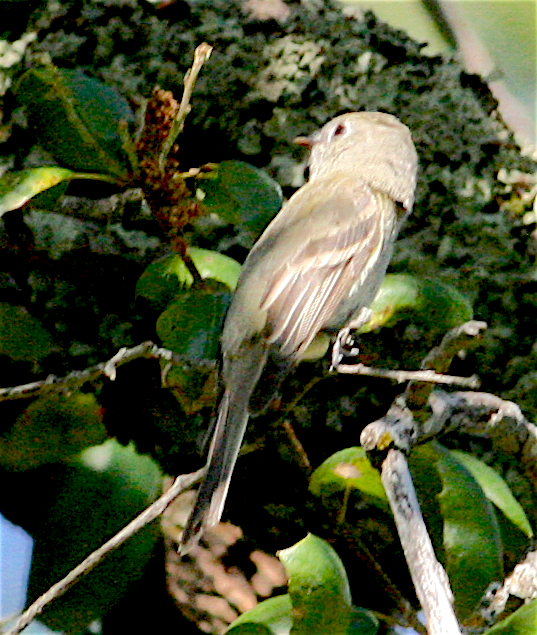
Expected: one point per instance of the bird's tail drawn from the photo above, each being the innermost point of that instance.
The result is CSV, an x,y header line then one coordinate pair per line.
x,y
224,450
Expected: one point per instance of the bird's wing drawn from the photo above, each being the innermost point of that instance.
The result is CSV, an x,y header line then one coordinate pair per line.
x,y
348,229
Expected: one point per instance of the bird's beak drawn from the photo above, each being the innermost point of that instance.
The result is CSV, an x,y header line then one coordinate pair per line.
x,y
306,142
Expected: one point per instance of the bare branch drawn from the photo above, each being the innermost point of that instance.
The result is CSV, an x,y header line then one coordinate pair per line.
x,y
430,579
409,418
77,378
401,376
522,583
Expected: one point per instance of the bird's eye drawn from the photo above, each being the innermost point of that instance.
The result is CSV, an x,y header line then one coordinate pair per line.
x,y
340,130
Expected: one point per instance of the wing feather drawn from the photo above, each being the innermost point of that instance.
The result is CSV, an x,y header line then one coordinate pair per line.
x,y
303,295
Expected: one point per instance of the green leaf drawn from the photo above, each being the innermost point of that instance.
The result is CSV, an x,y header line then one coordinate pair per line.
x,y
168,277
433,303
472,543
349,469
496,490
17,188
318,588
522,622
191,324
77,119
271,617
212,264
22,337
100,493
275,617
242,195
53,428
428,484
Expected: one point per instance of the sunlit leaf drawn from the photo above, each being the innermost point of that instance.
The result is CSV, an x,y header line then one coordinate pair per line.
x,y
522,622
164,279
349,469
17,188
212,264
318,588
434,303
318,602
496,490
271,617
275,617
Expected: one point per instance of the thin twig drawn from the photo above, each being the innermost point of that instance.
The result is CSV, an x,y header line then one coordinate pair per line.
x,y
303,459
430,579
429,376
201,55
180,484
146,350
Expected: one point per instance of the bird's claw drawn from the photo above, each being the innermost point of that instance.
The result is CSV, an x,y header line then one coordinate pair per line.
x,y
344,347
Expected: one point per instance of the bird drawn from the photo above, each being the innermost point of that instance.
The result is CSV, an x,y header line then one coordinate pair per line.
x,y
316,267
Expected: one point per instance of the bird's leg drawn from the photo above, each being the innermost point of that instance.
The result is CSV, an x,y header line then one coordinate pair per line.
x,y
344,346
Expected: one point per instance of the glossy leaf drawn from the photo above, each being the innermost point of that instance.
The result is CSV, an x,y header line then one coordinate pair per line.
x,y
164,279
98,494
472,542
275,617
212,264
22,337
17,188
496,490
318,588
522,622
242,195
271,617
191,324
53,428
431,302
349,469
426,478
77,119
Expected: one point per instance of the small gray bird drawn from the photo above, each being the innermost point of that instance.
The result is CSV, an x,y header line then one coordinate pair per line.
x,y
317,266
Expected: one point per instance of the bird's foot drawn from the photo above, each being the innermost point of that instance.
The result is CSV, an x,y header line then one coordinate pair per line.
x,y
344,347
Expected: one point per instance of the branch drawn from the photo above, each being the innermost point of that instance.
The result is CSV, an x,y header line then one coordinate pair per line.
x,y
77,378
430,579
408,420
180,484
433,366
522,583
401,376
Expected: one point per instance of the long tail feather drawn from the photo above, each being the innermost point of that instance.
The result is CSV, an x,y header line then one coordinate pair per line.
x,y
225,446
